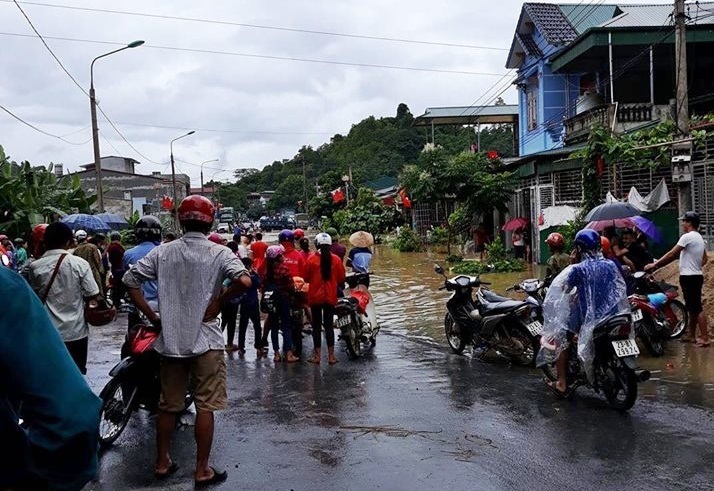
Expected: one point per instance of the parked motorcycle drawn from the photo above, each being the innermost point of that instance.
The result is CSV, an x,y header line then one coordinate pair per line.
x,y
535,291
488,321
356,316
615,369
134,385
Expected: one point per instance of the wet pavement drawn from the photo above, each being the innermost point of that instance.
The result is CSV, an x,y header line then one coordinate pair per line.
x,y
411,415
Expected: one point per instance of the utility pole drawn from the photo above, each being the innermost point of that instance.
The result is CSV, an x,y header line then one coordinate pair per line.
x,y
682,153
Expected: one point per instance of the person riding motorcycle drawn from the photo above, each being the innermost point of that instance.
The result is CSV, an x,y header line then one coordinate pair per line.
x,y
580,297
148,235
558,260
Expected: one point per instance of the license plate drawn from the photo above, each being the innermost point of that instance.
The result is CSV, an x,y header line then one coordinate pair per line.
x,y
342,321
625,347
637,315
535,328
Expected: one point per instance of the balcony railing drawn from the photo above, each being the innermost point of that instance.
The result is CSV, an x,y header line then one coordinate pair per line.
x,y
578,127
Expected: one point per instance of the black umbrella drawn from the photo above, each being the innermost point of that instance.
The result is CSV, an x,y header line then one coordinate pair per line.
x,y
612,211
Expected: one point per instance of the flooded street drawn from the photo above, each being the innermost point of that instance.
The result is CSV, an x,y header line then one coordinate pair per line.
x,y
409,302
410,415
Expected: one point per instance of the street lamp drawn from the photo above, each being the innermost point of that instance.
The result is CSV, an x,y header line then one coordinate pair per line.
x,y
95,129
173,177
206,162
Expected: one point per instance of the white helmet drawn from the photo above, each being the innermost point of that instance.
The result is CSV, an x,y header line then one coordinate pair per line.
x,y
80,235
323,239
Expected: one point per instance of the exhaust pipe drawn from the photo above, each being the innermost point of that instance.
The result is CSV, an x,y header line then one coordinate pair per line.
x,y
642,375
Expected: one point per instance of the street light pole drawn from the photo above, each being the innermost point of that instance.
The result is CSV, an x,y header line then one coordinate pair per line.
x,y
206,162
95,128
173,177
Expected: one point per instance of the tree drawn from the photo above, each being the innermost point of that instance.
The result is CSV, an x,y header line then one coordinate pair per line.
x,y
366,212
478,183
30,195
288,193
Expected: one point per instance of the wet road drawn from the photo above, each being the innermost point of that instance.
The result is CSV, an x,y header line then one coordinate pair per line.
x,y
411,415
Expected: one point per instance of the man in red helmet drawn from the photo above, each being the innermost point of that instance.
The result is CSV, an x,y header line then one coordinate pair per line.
x,y
558,260
189,273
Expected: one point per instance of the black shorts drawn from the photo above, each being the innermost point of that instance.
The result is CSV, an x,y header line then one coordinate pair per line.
x,y
692,292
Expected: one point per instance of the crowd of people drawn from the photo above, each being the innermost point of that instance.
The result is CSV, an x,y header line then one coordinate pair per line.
x,y
237,280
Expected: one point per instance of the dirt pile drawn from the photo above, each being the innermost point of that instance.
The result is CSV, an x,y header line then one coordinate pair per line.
x,y
670,274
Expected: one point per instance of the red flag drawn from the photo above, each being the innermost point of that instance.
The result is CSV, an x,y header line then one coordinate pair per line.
x,y
167,203
600,166
337,195
405,199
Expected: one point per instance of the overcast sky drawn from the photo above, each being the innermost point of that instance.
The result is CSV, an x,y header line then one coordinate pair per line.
x,y
271,107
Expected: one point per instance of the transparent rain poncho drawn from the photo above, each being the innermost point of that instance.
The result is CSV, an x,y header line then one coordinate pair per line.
x,y
580,297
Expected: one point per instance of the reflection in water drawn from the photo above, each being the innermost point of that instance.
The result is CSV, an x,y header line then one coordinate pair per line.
x,y
409,303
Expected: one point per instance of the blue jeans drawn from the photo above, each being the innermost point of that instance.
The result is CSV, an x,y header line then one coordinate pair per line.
x,y
281,321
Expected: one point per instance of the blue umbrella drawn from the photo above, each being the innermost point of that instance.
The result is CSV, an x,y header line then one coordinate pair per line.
x,y
82,221
612,211
115,222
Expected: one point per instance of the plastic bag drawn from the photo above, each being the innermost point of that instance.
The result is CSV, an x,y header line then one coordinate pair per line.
x,y
579,298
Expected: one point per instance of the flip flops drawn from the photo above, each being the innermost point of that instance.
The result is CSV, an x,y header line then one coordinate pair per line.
x,y
218,477
702,343
169,472
559,393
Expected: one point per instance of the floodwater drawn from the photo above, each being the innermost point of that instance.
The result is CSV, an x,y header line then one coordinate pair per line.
x,y
409,303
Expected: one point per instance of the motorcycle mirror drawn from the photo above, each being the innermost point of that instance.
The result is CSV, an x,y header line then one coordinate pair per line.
x,y
438,269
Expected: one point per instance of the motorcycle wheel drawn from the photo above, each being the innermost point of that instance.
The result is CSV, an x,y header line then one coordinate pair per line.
x,y
354,345
530,345
455,340
653,344
680,312
115,413
620,384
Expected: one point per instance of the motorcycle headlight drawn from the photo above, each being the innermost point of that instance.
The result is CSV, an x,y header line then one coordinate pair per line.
x,y
463,281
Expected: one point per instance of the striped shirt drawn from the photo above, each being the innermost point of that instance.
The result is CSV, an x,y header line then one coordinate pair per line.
x,y
189,273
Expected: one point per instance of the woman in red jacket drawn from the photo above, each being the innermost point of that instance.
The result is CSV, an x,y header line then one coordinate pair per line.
x,y
325,272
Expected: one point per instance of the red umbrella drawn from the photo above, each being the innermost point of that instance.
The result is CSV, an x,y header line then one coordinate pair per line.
x,y
514,224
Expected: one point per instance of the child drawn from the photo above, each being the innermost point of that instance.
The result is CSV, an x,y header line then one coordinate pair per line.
x,y
250,311
279,281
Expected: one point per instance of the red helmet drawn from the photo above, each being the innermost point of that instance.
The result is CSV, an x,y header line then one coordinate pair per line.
x,y
214,237
38,237
298,233
605,245
555,240
196,208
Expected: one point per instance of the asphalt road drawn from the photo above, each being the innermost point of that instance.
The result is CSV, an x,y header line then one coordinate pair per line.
x,y
412,416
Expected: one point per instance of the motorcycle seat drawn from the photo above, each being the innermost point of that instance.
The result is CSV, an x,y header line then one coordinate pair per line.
x,y
492,297
501,307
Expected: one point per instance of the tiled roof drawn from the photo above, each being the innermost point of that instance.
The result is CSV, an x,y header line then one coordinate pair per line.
x,y
551,22
529,45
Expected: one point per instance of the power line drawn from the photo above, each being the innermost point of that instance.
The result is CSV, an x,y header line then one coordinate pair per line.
x,y
266,27
40,130
77,83
218,130
267,57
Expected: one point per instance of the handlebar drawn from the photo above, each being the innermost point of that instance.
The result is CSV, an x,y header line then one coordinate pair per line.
x,y
442,287
484,283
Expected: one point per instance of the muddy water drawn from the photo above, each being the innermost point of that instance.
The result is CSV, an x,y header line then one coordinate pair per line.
x,y
409,303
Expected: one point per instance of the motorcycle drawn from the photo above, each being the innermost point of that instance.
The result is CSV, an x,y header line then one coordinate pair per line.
x,y
356,316
658,313
134,385
488,321
615,369
535,291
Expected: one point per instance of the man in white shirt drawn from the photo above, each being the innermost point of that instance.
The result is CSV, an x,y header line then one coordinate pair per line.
x,y
72,287
692,254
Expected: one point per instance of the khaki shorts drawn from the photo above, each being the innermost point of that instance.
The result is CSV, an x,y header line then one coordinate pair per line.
x,y
206,372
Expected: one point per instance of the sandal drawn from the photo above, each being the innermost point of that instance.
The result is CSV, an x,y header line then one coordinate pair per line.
x,y
277,358
169,472
332,360
560,394
291,358
217,477
703,343
314,360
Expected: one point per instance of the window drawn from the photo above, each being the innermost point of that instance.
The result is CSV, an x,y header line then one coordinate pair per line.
x,y
532,106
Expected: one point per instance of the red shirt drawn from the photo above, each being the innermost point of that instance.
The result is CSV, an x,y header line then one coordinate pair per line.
x,y
115,253
258,249
339,250
323,292
293,260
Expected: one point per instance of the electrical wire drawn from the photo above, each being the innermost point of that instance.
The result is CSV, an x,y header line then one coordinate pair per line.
x,y
66,71
40,130
267,57
217,130
266,27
